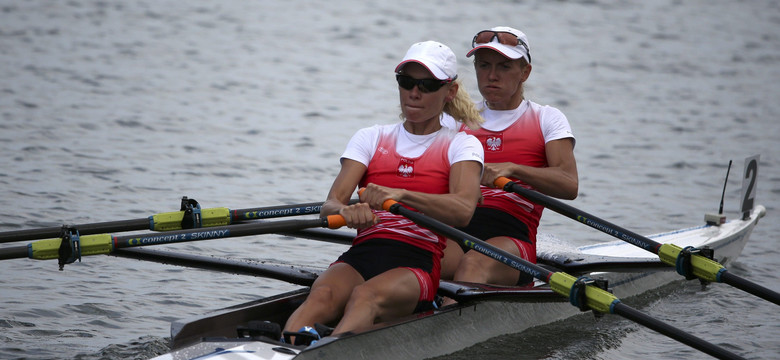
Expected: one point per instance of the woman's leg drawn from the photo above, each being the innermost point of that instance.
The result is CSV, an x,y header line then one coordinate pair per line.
x,y
449,263
327,297
392,294
479,268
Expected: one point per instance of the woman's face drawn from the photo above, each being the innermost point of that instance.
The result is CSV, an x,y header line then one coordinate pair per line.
x,y
417,106
500,79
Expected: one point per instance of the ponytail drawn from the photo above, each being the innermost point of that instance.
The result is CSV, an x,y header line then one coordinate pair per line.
x,y
463,109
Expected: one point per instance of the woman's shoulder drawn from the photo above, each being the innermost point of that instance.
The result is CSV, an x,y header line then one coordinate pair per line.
x,y
462,138
377,129
546,110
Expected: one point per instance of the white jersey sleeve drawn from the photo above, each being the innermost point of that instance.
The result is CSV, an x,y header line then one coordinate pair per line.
x,y
466,147
554,124
362,145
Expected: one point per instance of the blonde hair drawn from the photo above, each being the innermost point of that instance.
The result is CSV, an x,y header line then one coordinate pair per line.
x,y
463,109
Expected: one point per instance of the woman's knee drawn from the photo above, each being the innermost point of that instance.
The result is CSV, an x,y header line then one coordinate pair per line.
x,y
474,261
364,294
322,297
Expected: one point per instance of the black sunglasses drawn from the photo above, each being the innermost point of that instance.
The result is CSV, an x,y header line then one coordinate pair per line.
x,y
503,37
425,85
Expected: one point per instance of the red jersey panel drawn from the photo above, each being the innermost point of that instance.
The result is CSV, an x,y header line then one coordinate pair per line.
x,y
428,173
520,143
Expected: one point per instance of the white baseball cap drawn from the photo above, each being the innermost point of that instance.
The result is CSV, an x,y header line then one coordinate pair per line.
x,y
434,56
512,52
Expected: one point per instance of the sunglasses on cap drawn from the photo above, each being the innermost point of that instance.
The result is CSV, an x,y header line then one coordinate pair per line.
x,y
503,37
424,85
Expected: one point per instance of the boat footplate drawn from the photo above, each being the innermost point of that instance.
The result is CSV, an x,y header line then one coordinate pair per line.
x,y
323,330
257,328
306,336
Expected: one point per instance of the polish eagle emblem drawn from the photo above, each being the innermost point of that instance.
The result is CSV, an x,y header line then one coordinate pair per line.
x,y
406,168
493,143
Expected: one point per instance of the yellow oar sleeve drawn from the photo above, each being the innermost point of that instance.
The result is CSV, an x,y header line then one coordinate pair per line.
x,y
172,220
702,267
595,298
90,245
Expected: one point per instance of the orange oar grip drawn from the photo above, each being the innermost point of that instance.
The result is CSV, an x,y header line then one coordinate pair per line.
x,y
385,205
336,221
388,203
501,181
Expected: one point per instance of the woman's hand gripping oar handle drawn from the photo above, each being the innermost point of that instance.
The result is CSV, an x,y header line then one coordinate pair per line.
x,y
335,221
501,181
385,205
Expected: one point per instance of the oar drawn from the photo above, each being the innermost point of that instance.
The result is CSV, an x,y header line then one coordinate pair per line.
x,y
289,274
581,292
170,220
689,264
71,246
336,237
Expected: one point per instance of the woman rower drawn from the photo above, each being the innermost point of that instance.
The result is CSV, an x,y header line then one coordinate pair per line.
x,y
392,268
524,141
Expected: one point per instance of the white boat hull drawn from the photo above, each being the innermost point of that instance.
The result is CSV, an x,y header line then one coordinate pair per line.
x,y
456,327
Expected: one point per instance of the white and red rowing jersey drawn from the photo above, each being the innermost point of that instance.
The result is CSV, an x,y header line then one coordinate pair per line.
x,y
518,136
398,159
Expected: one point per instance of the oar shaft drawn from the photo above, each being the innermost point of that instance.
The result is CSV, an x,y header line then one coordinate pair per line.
x,y
15,252
750,287
595,298
672,332
581,216
279,211
701,267
217,232
84,229
474,243
336,237
106,243
291,275
169,221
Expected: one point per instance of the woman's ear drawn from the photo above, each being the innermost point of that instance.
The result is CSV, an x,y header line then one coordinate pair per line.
x,y
452,92
526,72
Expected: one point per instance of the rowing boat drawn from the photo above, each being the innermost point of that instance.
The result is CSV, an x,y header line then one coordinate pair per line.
x,y
482,311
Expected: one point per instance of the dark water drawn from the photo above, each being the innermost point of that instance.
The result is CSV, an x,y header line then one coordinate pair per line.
x,y
114,110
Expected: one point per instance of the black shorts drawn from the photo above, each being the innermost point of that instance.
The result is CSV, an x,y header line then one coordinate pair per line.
x,y
375,256
488,223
